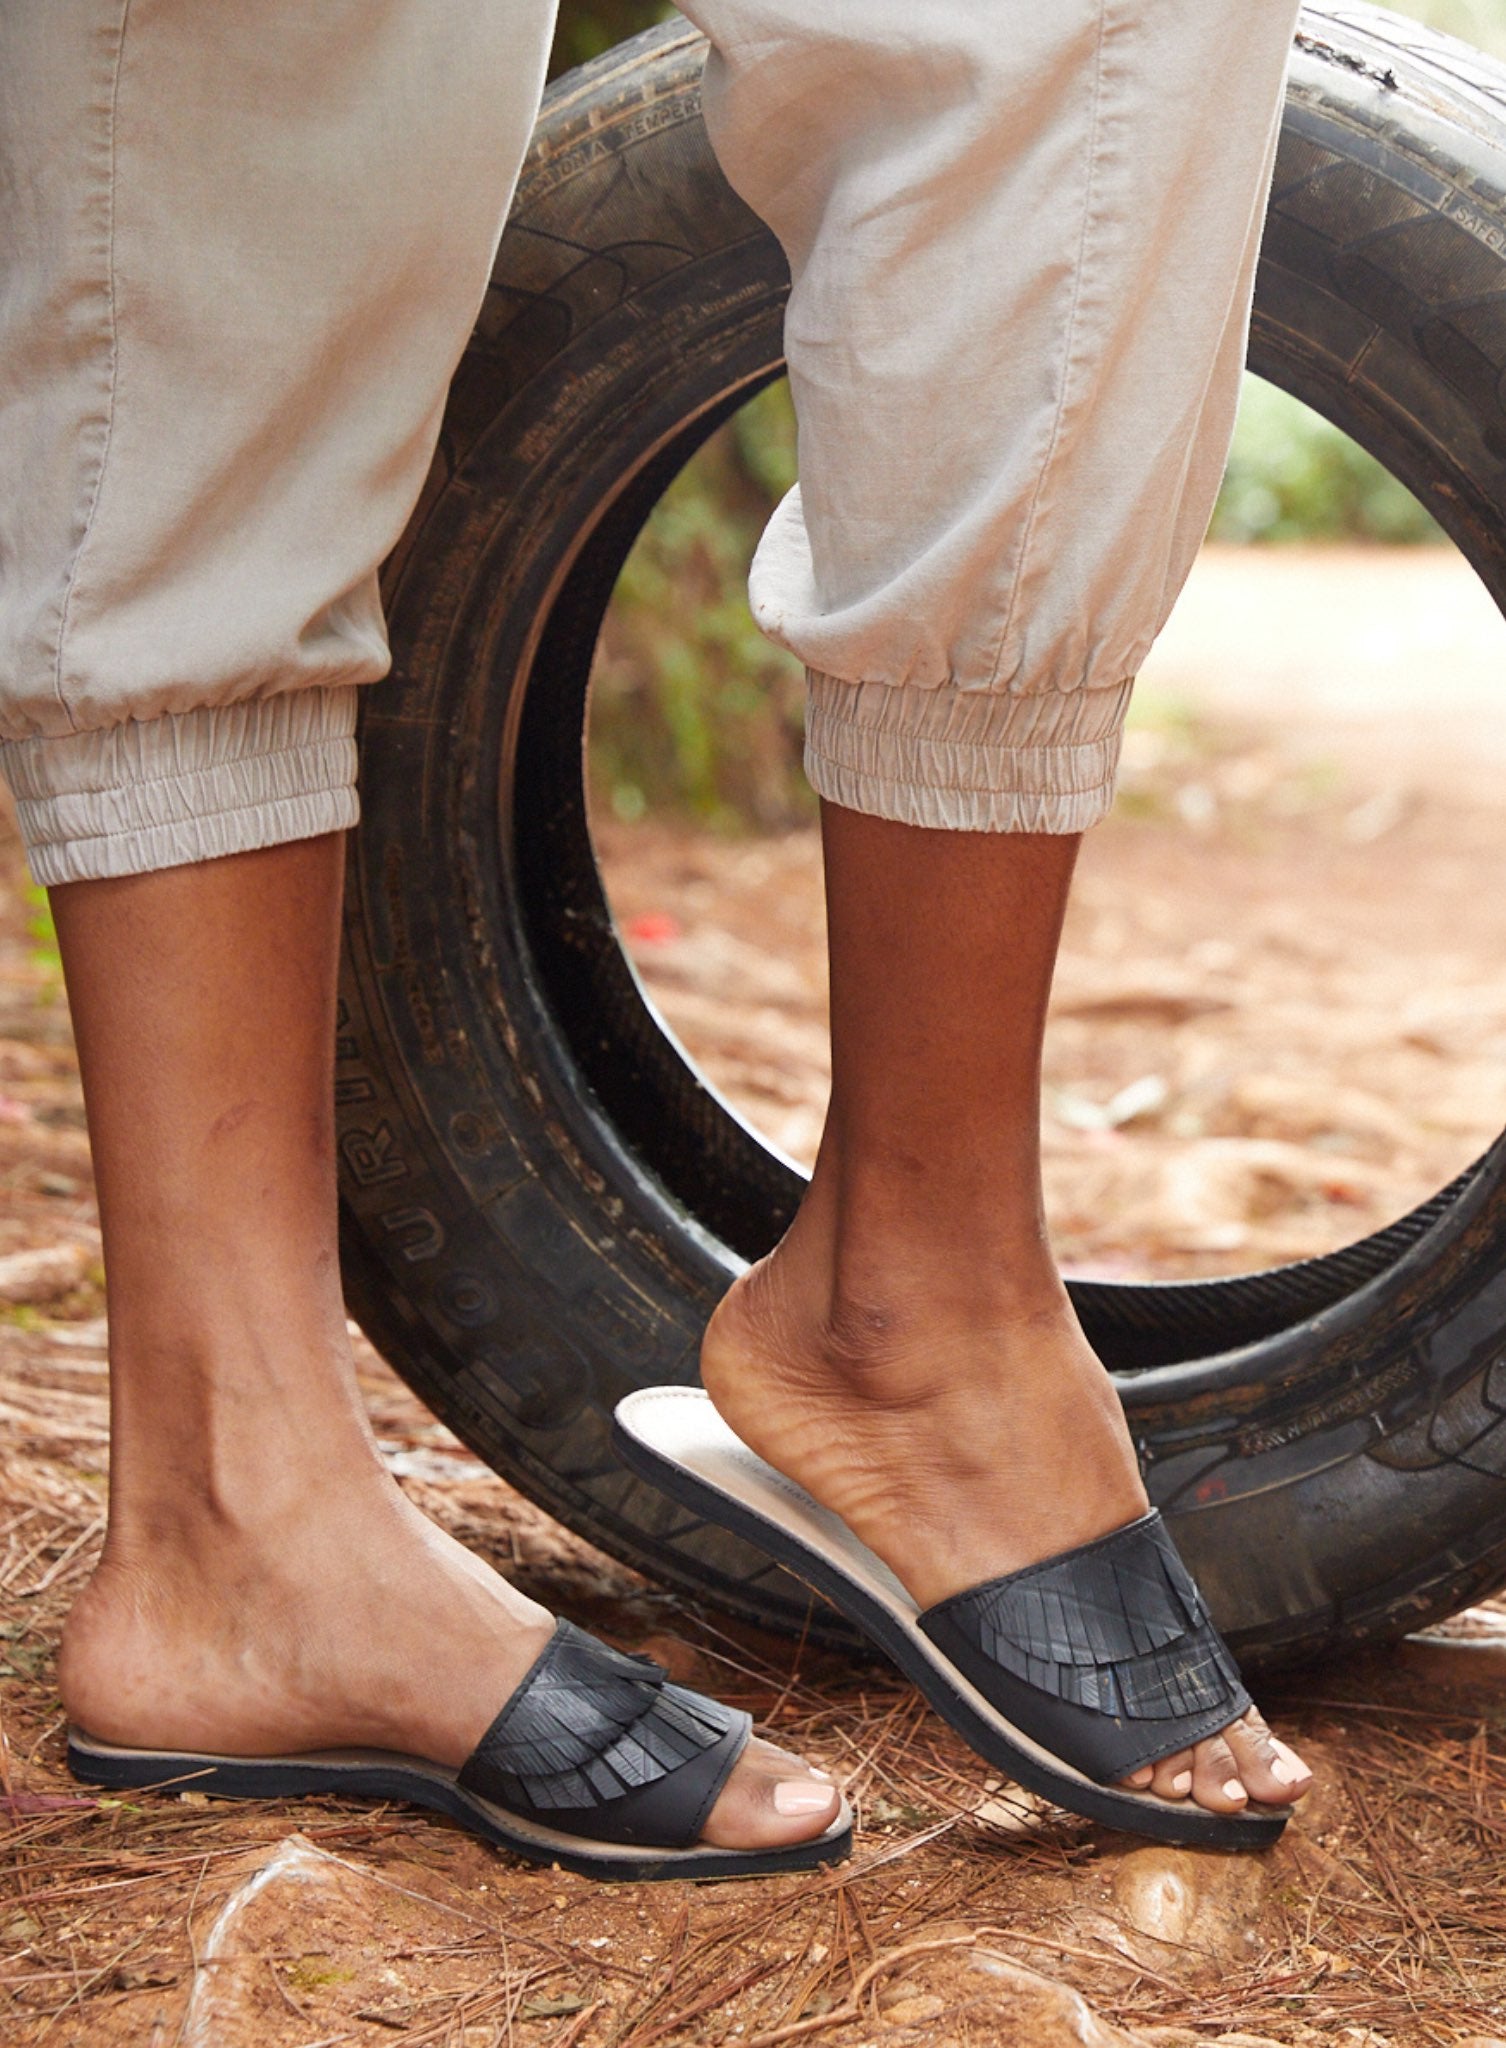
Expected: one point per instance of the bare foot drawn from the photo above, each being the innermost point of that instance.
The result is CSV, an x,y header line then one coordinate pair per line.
x,y
357,1625
959,1435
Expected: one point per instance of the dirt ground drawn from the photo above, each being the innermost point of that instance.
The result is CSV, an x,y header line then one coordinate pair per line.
x,y
1281,1020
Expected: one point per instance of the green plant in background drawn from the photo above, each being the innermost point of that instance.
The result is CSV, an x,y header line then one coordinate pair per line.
x,y
45,957
690,704
1481,22
1292,476
587,27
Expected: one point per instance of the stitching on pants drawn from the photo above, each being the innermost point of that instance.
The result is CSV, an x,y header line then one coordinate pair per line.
x,y
204,822
113,358
179,774
917,736
1070,344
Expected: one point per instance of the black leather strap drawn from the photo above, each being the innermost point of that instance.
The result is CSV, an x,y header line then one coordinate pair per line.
x,y
1105,1654
599,1744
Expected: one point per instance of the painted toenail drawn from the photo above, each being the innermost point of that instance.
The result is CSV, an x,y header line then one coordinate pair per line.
x,y
1287,1772
1181,1784
1233,1789
798,1795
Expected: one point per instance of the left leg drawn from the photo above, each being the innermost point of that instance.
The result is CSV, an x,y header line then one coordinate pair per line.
x,y
908,1354
1023,243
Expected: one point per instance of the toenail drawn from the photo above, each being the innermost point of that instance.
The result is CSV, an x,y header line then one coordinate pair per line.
x,y
1182,1783
799,1795
1233,1789
1287,1772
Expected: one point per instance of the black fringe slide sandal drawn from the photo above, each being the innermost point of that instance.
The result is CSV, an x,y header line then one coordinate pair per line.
x,y
1068,1675
597,1763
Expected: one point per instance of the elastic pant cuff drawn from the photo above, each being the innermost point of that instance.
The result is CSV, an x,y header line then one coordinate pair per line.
x,y
188,786
965,760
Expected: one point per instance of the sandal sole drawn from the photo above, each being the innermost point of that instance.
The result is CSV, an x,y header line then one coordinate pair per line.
x,y
379,1774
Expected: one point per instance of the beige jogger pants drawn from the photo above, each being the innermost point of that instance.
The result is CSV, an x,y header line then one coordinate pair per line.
x,y
243,245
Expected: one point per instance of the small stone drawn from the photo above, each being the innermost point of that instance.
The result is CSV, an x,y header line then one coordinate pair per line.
x,y
148,1977
37,1277
1328,1959
1204,1907
913,2012
1027,2010
1010,1809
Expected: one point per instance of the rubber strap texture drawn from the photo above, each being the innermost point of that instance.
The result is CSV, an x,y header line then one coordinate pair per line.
x,y
598,1743
1105,1653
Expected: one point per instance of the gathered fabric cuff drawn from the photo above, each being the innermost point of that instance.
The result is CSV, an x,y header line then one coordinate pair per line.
x,y
965,760
188,786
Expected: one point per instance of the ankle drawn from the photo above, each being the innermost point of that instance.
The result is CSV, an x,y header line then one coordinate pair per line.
x,y
219,1434
862,1303
875,1255
188,1509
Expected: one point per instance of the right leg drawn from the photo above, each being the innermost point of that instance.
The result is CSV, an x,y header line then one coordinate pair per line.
x,y
266,1587
249,244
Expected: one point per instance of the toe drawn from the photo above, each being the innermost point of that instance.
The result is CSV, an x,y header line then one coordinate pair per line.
x,y
1272,1773
1172,1776
1216,1781
771,1799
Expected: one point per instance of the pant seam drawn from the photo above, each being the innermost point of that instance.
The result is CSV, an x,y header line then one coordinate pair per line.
x,y
181,774
991,748
262,807
111,370
970,789
1022,560
949,694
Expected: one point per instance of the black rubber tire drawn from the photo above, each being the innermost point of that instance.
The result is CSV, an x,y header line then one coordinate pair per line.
x,y
541,1200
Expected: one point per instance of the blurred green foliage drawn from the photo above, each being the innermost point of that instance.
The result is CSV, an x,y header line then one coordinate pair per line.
x,y
45,957
694,710
587,27
1293,477
1481,22
690,703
